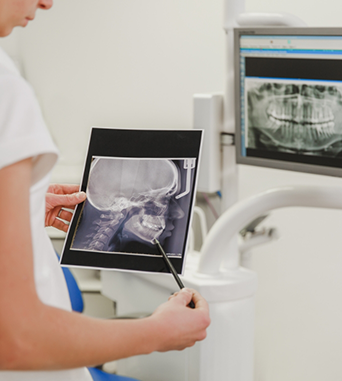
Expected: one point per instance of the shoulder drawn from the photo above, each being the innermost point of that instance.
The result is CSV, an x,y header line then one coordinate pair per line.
x,y
14,89
19,108
23,132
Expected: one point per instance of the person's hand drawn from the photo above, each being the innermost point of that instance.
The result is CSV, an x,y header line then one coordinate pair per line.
x,y
179,326
57,198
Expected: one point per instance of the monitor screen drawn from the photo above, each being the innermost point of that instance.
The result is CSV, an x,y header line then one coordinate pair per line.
x,y
289,98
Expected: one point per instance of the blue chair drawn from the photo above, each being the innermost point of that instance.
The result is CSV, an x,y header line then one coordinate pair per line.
x,y
75,293
77,305
99,375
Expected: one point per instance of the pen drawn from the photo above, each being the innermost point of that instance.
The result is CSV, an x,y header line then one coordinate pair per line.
x,y
172,269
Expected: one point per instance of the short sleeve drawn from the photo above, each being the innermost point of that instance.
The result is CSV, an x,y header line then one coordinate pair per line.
x,y
23,132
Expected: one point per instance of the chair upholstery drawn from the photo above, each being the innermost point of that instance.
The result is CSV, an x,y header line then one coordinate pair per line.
x,y
99,375
75,293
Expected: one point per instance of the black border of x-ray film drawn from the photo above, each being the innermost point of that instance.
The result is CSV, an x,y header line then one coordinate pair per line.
x,y
133,143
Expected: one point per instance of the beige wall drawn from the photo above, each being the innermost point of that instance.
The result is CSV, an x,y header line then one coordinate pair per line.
x,y
121,63
134,63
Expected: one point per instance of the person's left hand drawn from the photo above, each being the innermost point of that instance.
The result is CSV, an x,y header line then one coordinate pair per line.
x,y
57,198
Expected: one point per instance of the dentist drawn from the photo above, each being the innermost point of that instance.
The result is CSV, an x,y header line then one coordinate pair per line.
x,y
40,338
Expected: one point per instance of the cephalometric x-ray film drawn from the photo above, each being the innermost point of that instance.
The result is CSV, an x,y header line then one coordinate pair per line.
x,y
140,186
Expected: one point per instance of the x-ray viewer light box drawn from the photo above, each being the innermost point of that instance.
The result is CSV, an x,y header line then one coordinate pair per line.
x,y
288,88
140,185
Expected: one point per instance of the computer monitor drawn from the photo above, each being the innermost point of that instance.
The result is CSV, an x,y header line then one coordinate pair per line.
x,y
289,98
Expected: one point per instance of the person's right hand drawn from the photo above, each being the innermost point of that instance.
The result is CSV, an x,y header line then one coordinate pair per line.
x,y
179,326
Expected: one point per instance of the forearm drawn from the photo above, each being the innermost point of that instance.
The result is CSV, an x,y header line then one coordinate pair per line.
x,y
39,337
50,338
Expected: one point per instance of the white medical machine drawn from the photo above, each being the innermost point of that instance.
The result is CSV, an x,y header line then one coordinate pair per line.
x,y
288,115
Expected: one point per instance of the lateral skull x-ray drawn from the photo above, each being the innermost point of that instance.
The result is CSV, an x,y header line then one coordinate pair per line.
x,y
130,202
296,118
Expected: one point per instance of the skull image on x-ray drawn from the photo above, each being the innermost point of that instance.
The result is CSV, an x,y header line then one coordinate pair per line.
x,y
295,118
128,200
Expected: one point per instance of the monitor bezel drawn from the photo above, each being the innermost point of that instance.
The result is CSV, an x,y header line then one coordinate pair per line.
x,y
270,163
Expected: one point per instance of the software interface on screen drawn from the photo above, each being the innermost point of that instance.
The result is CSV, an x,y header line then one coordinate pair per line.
x,y
291,98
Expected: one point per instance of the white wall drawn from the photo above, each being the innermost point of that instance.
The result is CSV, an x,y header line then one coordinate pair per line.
x,y
121,63
323,13
135,63
299,304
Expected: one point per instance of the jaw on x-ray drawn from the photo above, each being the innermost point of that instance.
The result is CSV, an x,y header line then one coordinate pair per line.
x,y
129,200
296,118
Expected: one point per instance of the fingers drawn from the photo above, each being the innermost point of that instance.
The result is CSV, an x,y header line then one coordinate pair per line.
x,y
73,199
55,213
64,215
60,225
61,219
66,200
200,302
183,296
189,325
63,188
69,188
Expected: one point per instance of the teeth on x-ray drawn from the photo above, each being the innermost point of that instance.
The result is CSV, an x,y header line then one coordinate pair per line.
x,y
296,117
153,222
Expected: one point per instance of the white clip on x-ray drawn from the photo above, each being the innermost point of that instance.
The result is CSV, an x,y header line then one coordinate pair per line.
x,y
189,165
283,102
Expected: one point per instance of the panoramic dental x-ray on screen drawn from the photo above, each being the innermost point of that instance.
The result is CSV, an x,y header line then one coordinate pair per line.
x,y
290,99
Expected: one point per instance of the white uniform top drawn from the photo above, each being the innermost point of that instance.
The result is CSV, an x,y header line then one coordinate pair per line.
x,y
23,134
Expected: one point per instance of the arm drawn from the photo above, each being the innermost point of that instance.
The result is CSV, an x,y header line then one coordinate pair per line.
x,y
36,336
